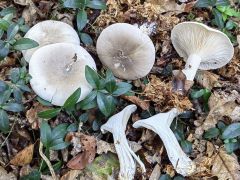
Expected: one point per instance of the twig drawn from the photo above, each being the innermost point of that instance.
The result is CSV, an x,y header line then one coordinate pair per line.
x,y
8,134
47,161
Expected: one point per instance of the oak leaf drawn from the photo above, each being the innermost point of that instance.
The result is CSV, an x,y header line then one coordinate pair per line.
x,y
24,157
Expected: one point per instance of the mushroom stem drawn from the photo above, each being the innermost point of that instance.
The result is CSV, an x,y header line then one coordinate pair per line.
x,y
160,124
117,125
191,67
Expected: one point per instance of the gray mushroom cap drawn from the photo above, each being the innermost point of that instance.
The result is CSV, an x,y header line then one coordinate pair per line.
x,y
57,70
50,32
214,47
126,50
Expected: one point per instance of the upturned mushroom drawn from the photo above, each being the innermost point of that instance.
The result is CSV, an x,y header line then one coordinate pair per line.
x,y
117,125
50,32
201,47
57,70
126,50
160,124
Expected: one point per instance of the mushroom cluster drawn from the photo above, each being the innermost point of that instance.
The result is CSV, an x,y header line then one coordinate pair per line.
x,y
57,65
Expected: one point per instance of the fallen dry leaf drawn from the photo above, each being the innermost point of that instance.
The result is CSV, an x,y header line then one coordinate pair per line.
x,y
4,175
71,175
207,79
226,166
84,158
104,147
155,173
24,157
136,100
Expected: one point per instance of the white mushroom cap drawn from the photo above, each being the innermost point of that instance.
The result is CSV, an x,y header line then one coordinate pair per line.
x,y
57,70
50,32
126,50
212,46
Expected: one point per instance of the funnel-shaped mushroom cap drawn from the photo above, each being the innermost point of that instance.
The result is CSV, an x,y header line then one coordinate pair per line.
x,y
50,32
126,50
212,46
57,70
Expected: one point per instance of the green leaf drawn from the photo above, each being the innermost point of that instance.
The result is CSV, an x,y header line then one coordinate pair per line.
x,y
24,44
48,114
4,50
186,146
4,24
4,121
15,75
74,3
222,3
13,107
59,131
8,10
86,39
81,19
83,118
165,177
92,77
211,133
88,102
218,18
199,93
4,96
204,3
106,104
122,88
109,76
34,175
3,86
96,4
59,146
12,31
43,102
230,25
111,86
72,127
96,125
17,93
179,178
45,134
72,100
231,131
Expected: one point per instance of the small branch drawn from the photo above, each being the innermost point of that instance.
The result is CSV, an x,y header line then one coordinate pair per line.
x,y
47,161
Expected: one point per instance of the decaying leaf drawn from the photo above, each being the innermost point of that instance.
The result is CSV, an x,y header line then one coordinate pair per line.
x,y
84,158
226,166
220,104
207,79
136,100
104,147
155,173
71,175
162,94
24,157
4,175
75,139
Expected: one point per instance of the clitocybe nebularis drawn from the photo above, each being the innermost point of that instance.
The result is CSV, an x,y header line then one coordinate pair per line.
x,y
201,47
50,32
160,124
117,126
126,50
57,70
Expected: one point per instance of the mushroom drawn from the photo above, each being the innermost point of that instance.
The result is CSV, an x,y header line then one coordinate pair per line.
x,y
57,70
126,50
117,125
201,47
50,32
160,124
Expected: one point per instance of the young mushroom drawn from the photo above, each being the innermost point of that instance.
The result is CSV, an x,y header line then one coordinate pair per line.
x,y
117,125
201,47
160,124
126,50
50,32
57,70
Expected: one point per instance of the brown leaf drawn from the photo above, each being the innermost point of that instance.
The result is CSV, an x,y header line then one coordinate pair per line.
x,y
4,175
71,175
178,83
136,100
87,156
207,79
226,166
155,173
104,147
24,157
